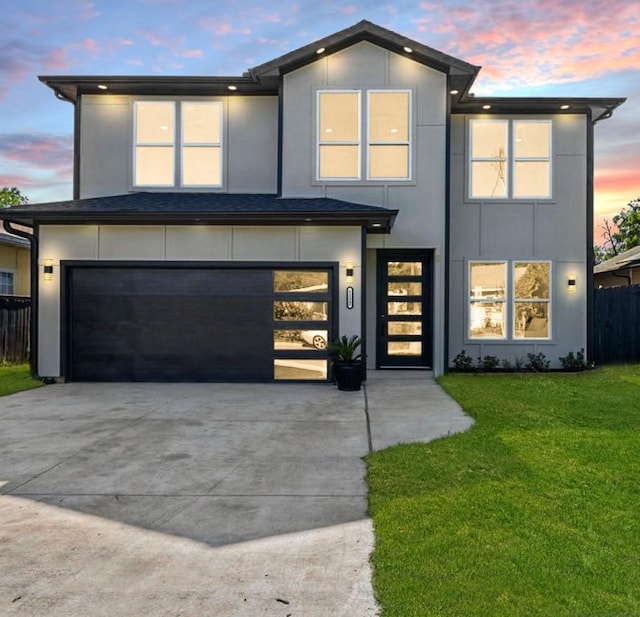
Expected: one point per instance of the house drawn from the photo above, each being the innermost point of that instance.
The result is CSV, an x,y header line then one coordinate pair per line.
x,y
352,186
619,271
15,265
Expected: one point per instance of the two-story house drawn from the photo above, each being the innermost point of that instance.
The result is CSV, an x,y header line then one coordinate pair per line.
x,y
227,228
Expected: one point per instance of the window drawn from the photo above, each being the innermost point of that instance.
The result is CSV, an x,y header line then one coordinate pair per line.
x,y
6,283
530,306
487,286
178,140
385,154
510,159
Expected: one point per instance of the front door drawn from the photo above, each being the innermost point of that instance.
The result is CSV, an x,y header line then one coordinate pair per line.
x,y
405,300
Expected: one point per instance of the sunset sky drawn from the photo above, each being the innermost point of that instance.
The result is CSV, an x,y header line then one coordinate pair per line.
x,y
526,47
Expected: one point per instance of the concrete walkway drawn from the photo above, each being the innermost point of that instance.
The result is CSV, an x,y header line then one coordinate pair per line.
x,y
198,499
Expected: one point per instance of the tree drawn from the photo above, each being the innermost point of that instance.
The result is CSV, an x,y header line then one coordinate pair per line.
x,y
622,235
11,197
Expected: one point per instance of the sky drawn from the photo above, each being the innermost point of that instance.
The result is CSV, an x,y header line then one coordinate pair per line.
x,y
526,48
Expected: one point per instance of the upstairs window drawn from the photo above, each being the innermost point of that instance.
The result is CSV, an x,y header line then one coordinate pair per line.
x,y
510,159
383,117
178,144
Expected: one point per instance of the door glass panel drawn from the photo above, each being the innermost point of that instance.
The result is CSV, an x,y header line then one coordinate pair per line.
x,y
294,368
299,311
404,289
300,339
404,348
396,328
404,268
298,280
404,308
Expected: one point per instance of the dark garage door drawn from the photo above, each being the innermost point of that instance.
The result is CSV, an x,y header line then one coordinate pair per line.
x,y
169,324
177,322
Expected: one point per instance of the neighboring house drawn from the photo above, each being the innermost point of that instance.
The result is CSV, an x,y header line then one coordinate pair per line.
x,y
352,186
15,265
619,271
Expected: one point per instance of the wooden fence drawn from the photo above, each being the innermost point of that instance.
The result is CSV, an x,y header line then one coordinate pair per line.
x,y
617,324
15,318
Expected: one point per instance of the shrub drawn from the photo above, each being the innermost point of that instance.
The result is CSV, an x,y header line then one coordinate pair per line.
x,y
574,362
489,363
506,365
463,362
537,362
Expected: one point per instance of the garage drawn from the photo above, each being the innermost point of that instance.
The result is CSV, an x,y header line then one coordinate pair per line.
x,y
196,322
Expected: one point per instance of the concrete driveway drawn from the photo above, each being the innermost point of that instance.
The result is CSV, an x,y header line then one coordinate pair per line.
x,y
197,499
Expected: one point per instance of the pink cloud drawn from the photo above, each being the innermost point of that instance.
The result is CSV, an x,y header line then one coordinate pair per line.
x,y
40,151
349,9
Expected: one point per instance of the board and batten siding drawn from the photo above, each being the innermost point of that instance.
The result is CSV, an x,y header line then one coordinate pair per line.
x,y
524,230
421,201
158,243
250,144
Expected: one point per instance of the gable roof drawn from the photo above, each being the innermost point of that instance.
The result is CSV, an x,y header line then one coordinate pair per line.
x,y
204,208
463,72
628,259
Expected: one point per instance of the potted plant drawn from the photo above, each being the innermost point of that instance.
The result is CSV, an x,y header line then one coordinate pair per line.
x,y
348,363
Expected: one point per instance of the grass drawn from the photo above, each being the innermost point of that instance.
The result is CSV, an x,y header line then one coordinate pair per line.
x,y
533,512
15,378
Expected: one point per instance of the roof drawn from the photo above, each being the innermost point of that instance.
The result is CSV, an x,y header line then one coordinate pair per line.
x,y
204,208
623,261
10,240
264,79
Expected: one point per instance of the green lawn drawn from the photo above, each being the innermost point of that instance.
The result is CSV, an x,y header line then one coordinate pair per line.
x,y
533,512
15,378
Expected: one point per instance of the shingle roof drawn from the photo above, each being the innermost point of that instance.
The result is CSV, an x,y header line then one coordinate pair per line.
x,y
628,259
212,208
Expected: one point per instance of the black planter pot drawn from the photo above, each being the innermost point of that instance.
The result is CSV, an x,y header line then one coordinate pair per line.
x,y
348,375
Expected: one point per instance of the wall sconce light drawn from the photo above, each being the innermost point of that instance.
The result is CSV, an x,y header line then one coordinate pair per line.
x,y
571,282
48,270
349,272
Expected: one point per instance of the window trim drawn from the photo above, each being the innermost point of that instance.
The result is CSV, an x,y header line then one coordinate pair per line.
x,y
364,141
510,159
509,302
178,145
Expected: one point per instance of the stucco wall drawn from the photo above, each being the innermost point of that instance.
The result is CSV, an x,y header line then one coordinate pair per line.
x,y
420,201
190,243
106,144
524,230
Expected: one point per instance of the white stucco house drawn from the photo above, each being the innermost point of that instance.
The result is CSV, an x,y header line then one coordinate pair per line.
x,y
226,228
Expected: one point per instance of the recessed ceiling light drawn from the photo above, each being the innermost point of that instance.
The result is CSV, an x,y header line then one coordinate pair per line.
x,y
102,87
376,225
565,106
486,107
320,50
454,91
408,49
232,88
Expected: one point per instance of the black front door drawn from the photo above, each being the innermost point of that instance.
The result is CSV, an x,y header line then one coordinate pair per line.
x,y
405,301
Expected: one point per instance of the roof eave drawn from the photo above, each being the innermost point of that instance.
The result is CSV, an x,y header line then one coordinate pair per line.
x,y
536,105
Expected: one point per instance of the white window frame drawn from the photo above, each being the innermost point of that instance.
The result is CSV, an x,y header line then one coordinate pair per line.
x,y
320,142
504,301
547,301
509,301
177,144
363,129
12,273
509,160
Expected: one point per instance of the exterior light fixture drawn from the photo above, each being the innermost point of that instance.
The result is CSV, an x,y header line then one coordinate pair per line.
x,y
320,50
232,88
565,106
454,91
48,270
486,107
102,87
349,272
408,49
376,225
571,282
